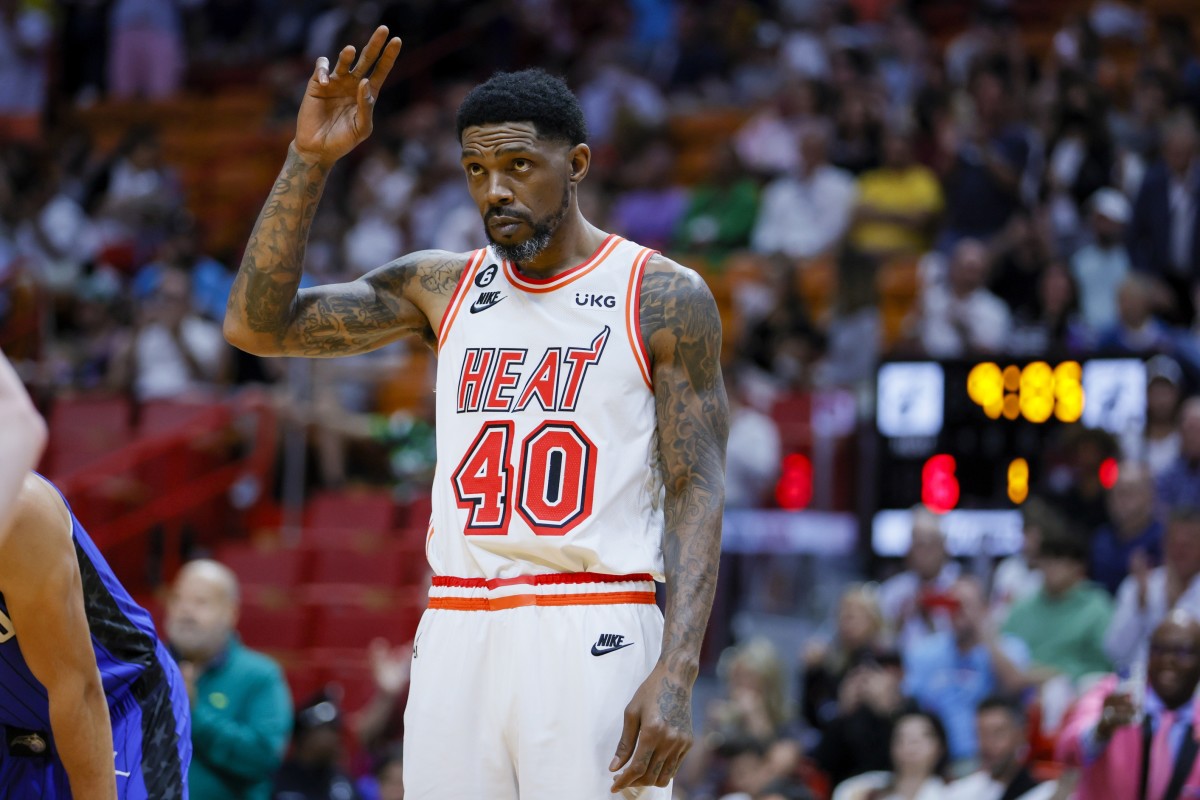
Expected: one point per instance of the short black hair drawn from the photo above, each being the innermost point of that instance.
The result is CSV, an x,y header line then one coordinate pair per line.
x,y
1007,704
1061,540
531,95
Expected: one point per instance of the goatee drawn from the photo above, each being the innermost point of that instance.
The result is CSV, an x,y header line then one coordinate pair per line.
x,y
539,240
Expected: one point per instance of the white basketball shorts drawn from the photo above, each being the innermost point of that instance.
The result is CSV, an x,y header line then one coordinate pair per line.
x,y
519,686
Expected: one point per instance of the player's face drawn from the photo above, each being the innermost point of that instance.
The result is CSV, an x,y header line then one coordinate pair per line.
x,y
521,183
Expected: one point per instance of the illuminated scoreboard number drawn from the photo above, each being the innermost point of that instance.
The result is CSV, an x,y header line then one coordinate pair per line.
x,y
1034,392
973,433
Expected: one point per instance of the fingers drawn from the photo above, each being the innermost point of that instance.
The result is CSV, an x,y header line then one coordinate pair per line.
x,y
629,734
654,762
671,769
385,63
321,73
639,765
370,52
345,58
366,103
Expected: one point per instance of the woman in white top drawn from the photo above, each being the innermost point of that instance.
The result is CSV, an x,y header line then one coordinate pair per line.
x,y
918,761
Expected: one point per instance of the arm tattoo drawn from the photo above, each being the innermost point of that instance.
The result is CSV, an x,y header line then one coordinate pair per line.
x,y
340,319
266,284
680,322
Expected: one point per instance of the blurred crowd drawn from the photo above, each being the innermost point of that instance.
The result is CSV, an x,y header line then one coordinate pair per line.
x,y
1043,195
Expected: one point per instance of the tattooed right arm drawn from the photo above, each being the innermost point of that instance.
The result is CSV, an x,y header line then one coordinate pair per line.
x,y
269,315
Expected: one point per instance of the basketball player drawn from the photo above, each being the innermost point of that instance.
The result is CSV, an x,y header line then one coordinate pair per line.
x,y
22,438
581,435
91,703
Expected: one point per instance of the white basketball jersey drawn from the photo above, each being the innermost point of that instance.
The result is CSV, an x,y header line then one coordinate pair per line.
x,y
546,424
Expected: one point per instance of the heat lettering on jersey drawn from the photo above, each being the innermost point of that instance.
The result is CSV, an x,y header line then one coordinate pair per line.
x,y
490,376
6,628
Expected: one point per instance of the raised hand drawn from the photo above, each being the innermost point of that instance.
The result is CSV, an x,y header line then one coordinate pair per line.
x,y
336,113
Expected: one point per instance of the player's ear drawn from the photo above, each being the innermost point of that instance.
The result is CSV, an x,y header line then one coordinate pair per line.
x,y
580,158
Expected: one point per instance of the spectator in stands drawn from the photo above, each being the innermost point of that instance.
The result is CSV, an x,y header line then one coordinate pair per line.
x,y
1137,331
1101,265
1003,749
1079,160
1055,329
1134,527
1146,597
146,54
805,215
752,463
142,190
988,159
171,353
651,204
1020,254
904,598
854,334
870,702
1179,485
1075,490
963,317
1166,213
611,91
1018,576
721,209
898,203
210,280
57,237
950,672
1157,445
1064,623
751,719
1105,738
918,748
26,36
768,142
858,131
312,771
1139,130
241,707
858,639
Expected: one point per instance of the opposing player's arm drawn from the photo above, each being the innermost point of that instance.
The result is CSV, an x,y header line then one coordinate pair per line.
x,y
22,438
39,577
682,328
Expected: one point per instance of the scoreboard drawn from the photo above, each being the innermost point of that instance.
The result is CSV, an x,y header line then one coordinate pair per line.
x,y
970,436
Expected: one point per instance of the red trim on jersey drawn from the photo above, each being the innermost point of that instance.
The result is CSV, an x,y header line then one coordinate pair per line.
x,y
549,579
522,600
541,285
458,294
633,315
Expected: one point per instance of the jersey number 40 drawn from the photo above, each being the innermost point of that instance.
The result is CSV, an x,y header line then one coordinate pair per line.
x,y
554,479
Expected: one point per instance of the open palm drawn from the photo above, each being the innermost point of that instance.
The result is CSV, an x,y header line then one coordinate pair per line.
x,y
336,113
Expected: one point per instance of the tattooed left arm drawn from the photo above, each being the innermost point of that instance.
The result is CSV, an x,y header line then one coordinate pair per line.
x,y
681,326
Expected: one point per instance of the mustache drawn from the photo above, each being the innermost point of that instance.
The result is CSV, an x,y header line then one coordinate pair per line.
x,y
506,212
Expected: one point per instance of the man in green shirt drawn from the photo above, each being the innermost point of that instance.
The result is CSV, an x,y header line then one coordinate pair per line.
x,y
241,706
1063,624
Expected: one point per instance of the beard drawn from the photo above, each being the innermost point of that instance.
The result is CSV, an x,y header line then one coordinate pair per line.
x,y
543,232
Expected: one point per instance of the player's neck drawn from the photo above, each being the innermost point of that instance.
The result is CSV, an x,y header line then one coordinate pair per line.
x,y
575,241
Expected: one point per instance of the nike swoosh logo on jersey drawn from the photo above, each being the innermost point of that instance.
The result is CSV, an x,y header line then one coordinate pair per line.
x,y
596,651
486,301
